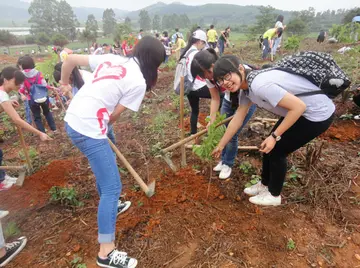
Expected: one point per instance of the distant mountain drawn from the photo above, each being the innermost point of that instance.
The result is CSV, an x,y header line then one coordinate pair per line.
x,y
15,12
222,13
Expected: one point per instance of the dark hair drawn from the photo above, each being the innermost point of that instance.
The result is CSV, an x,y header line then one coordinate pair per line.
x,y
157,35
105,45
198,28
18,63
211,26
203,61
150,53
140,30
229,64
227,28
279,31
165,33
176,29
9,73
191,41
27,62
76,78
280,18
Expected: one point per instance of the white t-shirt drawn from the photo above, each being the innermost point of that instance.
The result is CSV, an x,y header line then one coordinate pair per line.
x,y
211,85
268,88
199,82
4,96
116,80
98,51
279,24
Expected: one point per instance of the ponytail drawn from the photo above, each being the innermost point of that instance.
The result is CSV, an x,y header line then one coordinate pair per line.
x,y
191,41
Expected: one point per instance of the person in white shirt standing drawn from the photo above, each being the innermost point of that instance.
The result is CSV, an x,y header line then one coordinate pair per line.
x,y
140,35
199,89
118,83
277,41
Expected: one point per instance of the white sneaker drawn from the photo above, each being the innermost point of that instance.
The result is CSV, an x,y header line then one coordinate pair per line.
x,y
10,179
5,185
225,172
255,189
357,117
3,213
218,167
266,199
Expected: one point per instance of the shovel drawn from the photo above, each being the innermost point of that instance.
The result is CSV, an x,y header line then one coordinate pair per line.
x,y
21,176
149,190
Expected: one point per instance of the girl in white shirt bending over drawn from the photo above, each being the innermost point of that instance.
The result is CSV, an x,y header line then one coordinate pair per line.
x,y
302,119
118,83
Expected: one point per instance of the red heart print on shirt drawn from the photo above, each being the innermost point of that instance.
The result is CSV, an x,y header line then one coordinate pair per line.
x,y
102,114
108,71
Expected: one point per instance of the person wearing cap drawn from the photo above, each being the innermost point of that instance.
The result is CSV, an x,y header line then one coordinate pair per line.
x,y
268,41
199,89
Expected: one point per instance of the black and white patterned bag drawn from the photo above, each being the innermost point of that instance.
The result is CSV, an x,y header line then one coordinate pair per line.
x,y
317,67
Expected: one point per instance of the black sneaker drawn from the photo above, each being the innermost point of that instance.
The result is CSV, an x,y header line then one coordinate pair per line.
x,y
123,206
117,259
13,249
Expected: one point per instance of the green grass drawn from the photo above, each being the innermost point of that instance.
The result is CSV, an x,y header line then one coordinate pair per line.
x,y
74,45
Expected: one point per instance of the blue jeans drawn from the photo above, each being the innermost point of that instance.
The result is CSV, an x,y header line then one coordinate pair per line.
x,y
221,46
266,48
36,110
103,163
110,134
276,44
27,112
2,172
231,149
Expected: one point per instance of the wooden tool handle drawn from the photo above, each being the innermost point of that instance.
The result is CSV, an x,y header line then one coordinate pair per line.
x,y
24,147
178,144
12,168
132,171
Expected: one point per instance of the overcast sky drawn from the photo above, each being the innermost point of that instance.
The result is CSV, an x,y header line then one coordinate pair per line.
x,y
319,5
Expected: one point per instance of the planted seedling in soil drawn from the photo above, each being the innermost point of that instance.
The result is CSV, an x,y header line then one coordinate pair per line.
x,y
210,142
290,244
254,180
246,167
65,196
77,263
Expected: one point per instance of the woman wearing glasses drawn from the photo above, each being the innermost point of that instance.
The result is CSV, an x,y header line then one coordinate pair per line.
x,y
302,119
202,66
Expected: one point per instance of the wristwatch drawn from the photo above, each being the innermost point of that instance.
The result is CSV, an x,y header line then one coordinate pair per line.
x,y
277,138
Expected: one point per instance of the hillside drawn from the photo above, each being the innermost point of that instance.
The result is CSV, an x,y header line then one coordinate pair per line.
x,y
223,13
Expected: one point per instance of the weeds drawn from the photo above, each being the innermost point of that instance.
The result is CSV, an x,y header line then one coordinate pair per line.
x,y
156,148
254,180
11,230
77,262
65,196
160,121
290,244
294,175
32,154
292,43
246,167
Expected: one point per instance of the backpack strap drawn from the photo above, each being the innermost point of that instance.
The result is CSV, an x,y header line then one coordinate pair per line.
x,y
317,92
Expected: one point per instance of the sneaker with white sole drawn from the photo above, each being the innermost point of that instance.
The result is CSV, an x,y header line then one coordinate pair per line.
x,y
117,259
10,179
225,172
13,249
255,189
265,198
3,213
123,206
218,167
5,185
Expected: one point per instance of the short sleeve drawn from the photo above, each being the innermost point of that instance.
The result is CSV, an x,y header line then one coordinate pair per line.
x,y
209,84
132,99
96,60
243,98
4,96
270,93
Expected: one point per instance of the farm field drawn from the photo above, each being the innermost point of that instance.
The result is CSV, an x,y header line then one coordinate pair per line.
x,y
192,221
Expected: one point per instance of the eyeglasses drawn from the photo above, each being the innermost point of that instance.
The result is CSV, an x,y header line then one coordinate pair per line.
x,y
226,77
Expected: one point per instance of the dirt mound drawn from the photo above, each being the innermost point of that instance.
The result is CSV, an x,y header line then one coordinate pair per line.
x,y
178,191
342,131
201,120
35,190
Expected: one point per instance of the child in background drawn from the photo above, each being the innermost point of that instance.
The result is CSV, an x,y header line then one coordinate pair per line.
x,y
25,98
33,76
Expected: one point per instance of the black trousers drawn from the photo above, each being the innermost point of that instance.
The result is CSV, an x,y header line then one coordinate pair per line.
x,y
275,163
194,100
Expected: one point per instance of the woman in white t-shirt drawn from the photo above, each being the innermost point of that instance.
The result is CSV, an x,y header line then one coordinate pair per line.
x,y
11,79
302,119
277,41
118,83
199,89
202,66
